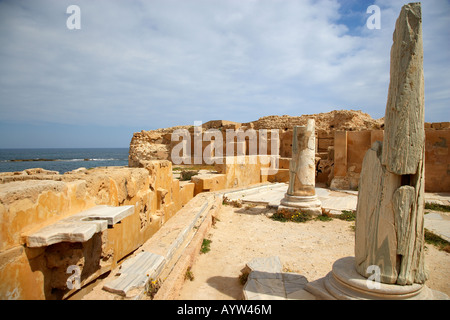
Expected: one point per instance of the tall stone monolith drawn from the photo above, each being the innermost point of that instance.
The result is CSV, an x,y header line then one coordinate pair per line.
x,y
301,195
389,228
389,236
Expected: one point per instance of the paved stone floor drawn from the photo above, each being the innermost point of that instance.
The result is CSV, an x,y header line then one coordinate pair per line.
x,y
337,200
265,283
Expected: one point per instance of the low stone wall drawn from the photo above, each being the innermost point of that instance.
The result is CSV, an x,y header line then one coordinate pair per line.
x,y
437,160
351,146
39,200
243,171
147,145
32,200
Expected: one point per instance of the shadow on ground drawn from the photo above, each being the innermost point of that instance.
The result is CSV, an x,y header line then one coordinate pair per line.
x,y
229,286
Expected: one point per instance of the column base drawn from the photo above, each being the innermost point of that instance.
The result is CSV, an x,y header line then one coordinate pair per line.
x,y
345,283
307,204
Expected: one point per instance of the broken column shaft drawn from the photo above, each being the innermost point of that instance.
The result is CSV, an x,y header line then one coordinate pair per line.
x,y
301,195
390,215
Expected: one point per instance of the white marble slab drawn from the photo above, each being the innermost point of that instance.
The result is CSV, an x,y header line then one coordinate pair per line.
x,y
266,281
79,227
136,272
111,214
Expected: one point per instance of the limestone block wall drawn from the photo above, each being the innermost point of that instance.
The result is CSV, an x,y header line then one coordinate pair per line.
x,y
242,171
162,146
31,202
36,201
237,172
437,160
339,152
351,146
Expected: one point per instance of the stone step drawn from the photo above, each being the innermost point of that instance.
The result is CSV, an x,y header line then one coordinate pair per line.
x,y
254,190
270,194
183,234
79,227
267,265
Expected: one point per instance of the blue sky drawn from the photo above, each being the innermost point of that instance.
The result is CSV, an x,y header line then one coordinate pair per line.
x,y
142,65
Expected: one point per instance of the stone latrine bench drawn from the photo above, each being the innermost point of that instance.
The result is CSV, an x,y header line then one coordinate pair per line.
x,y
76,250
80,227
46,230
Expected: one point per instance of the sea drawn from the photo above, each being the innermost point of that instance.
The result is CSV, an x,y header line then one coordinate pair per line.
x,y
61,159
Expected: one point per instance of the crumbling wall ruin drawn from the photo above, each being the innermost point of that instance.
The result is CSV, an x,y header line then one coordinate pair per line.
x,y
35,199
342,138
157,144
350,148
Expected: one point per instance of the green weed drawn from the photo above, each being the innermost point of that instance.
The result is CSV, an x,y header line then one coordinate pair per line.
x,y
437,241
205,246
437,207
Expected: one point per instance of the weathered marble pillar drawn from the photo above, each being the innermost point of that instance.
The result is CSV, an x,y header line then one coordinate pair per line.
x,y
390,216
301,194
389,235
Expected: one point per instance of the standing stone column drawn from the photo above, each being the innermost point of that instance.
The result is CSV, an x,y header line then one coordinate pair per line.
x,y
389,235
301,195
390,215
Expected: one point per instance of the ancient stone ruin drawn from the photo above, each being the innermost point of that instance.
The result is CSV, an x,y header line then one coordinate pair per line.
x,y
389,237
301,194
396,168
120,233
342,138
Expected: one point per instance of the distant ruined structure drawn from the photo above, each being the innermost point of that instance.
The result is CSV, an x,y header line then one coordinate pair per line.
x,y
342,138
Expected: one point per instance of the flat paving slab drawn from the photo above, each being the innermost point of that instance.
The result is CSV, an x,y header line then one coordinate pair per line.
x,y
266,281
271,195
438,223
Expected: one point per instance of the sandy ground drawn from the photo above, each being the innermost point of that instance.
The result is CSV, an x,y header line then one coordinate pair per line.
x,y
310,249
